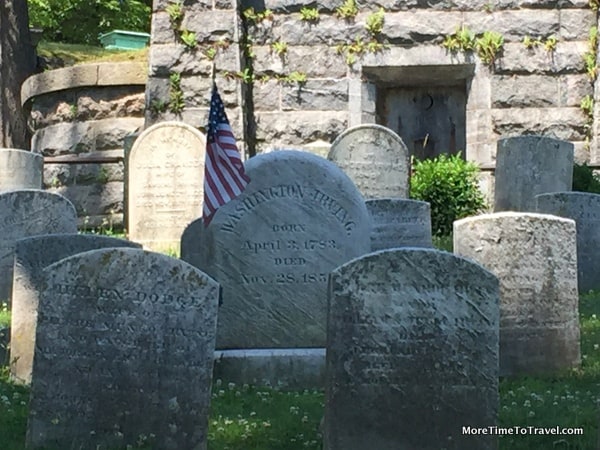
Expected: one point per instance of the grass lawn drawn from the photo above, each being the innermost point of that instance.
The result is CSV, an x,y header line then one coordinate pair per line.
x,y
255,418
72,54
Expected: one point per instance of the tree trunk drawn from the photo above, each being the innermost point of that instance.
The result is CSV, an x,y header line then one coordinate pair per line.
x,y
17,62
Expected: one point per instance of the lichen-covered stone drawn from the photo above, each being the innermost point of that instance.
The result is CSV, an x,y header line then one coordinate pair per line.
x,y
26,213
412,337
535,258
272,247
31,256
135,334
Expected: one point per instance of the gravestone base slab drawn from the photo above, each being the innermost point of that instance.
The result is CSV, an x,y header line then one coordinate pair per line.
x,y
293,368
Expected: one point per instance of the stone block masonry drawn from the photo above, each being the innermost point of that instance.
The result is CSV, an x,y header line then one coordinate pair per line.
x,y
292,81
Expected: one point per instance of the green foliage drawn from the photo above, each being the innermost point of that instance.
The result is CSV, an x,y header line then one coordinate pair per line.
x,y
210,53
594,4
81,21
585,180
462,40
348,10
589,57
353,50
309,14
175,12
489,46
550,44
188,38
158,106
296,77
530,43
256,17
279,47
587,106
374,23
176,102
449,184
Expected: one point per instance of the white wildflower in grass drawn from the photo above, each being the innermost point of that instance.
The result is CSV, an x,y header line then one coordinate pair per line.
x,y
526,404
294,410
531,414
219,382
231,386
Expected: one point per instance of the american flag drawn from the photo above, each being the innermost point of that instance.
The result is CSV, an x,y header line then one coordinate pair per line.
x,y
224,177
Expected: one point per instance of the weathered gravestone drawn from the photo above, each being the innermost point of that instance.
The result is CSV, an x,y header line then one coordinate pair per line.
x,y
165,177
535,258
584,209
375,158
20,169
272,248
530,165
412,352
31,256
124,349
27,213
191,243
399,222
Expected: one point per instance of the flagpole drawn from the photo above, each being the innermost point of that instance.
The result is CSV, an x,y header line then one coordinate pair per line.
x,y
213,72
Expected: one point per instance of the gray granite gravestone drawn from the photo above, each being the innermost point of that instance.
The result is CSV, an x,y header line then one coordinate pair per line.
x,y
191,243
27,213
375,158
535,258
124,349
399,222
31,256
20,169
530,165
584,209
272,248
412,352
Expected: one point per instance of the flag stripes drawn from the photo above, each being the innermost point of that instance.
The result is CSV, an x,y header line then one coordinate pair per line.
x,y
224,176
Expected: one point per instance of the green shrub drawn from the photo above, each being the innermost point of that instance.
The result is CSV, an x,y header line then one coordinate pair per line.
x,y
584,179
80,21
449,184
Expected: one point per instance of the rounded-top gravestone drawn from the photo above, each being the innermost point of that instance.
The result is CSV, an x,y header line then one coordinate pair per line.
x,y
272,248
412,352
26,213
165,183
530,165
584,209
20,169
399,222
191,243
535,258
124,349
32,255
375,158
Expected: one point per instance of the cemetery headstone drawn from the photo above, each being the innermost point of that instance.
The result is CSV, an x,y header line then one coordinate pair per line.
x,y
399,222
272,248
124,352
375,158
412,352
535,258
191,243
31,256
530,165
584,209
26,213
20,169
165,177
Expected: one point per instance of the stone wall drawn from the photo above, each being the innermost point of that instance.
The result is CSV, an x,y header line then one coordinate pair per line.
x,y
79,117
526,90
